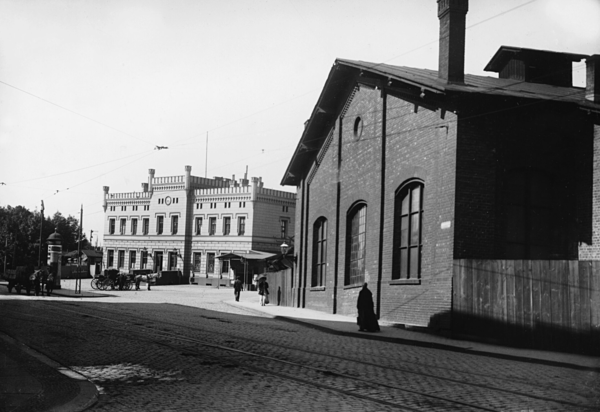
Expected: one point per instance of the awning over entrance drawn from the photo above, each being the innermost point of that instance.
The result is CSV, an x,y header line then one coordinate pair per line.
x,y
250,255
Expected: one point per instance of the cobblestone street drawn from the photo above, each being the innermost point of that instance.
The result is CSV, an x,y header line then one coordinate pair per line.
x,y
186,348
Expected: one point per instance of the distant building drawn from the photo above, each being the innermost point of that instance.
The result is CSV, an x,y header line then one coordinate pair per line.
x,y
469,204
183,223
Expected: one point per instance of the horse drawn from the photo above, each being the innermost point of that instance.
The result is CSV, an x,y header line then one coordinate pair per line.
x,y
146,278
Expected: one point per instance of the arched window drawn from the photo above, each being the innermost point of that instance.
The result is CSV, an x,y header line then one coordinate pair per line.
x,y
319,255
356,238
408,223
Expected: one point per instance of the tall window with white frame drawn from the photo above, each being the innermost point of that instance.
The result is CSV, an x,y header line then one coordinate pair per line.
x,y
241,225
284,228
198,226
110,260
174,224
172,264
145,226
160,220
319,256
197,262
134,226
226,225
111,226
123,224
144,263
408,224
210,263
212,226
132,256
356,232
121,262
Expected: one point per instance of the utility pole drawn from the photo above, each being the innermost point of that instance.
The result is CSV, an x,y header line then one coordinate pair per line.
x,y
5,252
78,279
41,229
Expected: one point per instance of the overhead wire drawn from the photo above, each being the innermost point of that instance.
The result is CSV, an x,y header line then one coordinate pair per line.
x,y
76,170
373,66
72,111
103,174
241,118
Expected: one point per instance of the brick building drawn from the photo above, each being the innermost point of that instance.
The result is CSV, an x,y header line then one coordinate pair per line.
x,y
408,179
183,223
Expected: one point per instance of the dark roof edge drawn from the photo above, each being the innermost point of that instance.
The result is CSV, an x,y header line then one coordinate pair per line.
x,y
499,58
287,179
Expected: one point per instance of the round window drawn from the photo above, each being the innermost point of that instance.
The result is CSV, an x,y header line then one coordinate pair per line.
x,y
358,127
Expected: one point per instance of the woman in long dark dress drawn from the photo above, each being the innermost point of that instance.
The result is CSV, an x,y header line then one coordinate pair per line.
x,y
367,319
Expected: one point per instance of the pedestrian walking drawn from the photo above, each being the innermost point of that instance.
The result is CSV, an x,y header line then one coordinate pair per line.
x,y
50,284
43,279
36,279
237,288
263,290
367,319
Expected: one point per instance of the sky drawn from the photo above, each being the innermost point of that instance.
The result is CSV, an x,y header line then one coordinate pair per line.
x,y
89,88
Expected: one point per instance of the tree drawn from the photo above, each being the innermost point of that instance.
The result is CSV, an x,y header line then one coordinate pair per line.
x,y
20,235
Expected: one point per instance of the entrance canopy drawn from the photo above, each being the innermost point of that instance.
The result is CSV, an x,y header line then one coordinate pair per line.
x,y
250,255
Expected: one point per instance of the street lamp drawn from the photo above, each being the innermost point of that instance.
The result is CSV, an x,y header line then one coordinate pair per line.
x,y
284,251
284,248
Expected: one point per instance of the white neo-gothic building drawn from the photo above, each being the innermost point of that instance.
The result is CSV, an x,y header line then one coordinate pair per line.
x,y
183,223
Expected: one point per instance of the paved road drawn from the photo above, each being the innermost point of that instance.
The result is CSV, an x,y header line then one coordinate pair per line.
x,y
186,348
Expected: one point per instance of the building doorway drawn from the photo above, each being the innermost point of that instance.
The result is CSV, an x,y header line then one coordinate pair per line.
x,y
158,262
172,261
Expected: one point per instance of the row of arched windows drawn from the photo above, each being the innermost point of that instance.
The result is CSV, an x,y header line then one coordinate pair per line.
x,y
407,244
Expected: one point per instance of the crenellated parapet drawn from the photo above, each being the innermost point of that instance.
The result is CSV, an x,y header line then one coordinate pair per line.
x,y
129,195
166,183
124,199
224,194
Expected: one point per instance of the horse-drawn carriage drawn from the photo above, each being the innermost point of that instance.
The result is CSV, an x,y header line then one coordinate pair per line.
x,y
115,279
21,278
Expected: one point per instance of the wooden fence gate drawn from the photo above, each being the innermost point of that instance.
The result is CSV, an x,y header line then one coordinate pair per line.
x,y
544,304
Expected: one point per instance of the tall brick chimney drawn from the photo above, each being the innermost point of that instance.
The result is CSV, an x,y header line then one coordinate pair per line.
x,y
592,80
453,16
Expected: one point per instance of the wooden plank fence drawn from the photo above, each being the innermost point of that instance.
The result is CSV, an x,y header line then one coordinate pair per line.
x,y
280,287
544,304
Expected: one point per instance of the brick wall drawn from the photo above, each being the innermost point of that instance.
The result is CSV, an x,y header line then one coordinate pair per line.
x,y
511,136
590,249
464,161
416,148
421,145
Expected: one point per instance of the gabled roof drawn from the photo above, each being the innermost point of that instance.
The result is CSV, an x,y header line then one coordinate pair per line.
x,y
409,83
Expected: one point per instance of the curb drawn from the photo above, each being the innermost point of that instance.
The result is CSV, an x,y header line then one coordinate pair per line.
x,y
88,393
65,293
418,343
